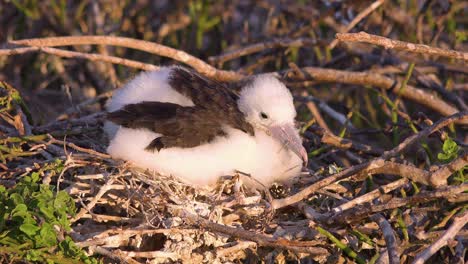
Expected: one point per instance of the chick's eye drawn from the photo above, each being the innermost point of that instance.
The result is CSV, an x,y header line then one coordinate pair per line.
x,y
263,115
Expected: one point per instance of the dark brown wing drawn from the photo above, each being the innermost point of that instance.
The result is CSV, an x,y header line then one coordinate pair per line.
x,y
180,126
210,95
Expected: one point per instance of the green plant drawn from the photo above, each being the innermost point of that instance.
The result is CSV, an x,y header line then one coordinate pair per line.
x,y
32,219
199,12
449,151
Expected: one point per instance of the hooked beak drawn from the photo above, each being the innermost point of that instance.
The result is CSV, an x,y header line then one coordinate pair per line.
x,y
289,137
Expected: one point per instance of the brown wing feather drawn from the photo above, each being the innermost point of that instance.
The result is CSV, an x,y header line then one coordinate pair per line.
x,y
215,107
211,95
180,126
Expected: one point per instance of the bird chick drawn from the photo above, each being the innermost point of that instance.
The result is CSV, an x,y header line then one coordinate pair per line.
x,y
177,122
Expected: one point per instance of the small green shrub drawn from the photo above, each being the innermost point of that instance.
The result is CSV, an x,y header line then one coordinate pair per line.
x,y
32,217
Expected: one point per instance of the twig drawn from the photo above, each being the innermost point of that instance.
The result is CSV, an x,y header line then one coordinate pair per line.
x,y
345,143
241,245
440,176
427,131
408,171
358,19
311,104
142,45
367,78
85,150
114,255
357,215
149,254
280,203
372,164
389,237
401,45
277,43
260,239
75,54
99,57
370,195
458,223
106,187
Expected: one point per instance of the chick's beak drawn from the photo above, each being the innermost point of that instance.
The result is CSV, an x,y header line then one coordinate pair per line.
x,y
288,136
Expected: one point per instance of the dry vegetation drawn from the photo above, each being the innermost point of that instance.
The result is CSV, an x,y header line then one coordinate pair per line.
x,y
384,121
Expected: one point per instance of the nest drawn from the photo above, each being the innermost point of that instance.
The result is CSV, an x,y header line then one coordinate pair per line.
x,y
137,216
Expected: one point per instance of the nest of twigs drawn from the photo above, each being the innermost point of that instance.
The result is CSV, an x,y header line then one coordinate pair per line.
x,y
365,211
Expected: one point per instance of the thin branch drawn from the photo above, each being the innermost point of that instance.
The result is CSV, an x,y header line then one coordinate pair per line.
x,y
367,166
260,239
354,216
370,195
99,57
364,13
142,45
75,54
426,132
368,78
458,223
389,237
401,45
440,176
254,48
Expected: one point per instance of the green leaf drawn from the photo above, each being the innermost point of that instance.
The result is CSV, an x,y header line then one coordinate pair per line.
x,y
68,247
64,203
29,229
17,199
47,211
34,255
48,235
450,146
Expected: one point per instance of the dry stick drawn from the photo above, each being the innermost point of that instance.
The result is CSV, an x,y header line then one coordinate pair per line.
x,y
75,54
407,171
14,51
358,19
370,195
254,48
149,254
367,78
425,132
240,246
104,238
426,196
81,149
401,45
100,57
344,143
115,255
310,104
389,237
372,164
458,223
260,239
146,46
106,187
440,176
